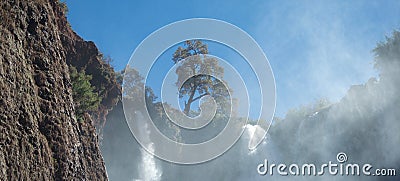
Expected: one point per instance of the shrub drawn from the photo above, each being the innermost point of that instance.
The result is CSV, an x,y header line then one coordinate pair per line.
x,y
63,6
85,98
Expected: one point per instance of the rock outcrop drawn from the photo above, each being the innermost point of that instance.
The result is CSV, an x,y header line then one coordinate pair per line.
x,y
40,137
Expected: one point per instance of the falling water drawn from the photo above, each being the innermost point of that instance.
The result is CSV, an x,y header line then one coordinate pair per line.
x,y
148,169
148,166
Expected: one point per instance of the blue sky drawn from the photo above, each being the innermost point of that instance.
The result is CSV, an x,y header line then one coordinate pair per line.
x,y
317,49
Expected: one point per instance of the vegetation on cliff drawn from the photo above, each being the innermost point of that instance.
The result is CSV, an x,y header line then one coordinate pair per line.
x,y
85,98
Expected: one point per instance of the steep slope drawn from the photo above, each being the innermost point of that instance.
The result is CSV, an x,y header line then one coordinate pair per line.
x,y
40,137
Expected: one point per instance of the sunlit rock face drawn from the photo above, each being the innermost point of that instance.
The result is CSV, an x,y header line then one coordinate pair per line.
x,y
40,137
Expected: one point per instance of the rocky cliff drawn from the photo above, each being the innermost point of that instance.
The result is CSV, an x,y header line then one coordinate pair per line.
x,y
40,137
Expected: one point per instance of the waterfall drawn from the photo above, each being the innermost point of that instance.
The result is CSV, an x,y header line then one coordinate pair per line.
x,y
148,168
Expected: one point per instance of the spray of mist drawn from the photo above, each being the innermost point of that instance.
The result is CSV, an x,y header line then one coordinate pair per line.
x,y
364,124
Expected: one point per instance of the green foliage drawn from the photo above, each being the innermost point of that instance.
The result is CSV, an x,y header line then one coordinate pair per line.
x,y
194,47
134,83
387,55
85,98
63,6
202,66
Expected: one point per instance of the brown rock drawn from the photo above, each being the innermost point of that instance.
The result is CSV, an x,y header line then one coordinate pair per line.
x,y
40,138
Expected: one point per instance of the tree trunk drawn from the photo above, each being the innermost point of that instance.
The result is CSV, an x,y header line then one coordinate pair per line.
x,y
189,102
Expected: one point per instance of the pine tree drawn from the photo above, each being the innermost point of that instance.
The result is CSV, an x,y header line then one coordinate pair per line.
x,y
85,99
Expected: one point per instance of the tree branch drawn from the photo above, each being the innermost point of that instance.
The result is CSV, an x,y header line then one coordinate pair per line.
x,y
200,96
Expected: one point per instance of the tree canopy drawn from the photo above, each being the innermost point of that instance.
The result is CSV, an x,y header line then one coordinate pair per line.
x,y
387,55
202,66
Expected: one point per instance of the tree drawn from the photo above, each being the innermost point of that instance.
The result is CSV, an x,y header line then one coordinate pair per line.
x,y
387,56
133,85
83,93
133,82
196,87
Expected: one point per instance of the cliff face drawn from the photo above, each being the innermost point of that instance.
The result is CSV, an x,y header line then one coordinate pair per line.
x,y
40,137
